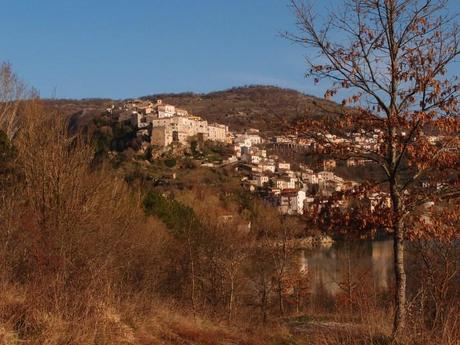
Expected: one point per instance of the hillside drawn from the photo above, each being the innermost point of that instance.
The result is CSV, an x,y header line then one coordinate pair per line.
x,y
267,108
81,111
263,107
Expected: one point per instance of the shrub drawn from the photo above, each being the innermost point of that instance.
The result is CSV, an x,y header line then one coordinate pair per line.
x,y
170,162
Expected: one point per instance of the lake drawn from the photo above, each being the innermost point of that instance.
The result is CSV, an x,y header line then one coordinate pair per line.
x,y
329,267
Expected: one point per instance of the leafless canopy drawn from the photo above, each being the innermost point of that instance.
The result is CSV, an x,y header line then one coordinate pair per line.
x,y
12,92
390,51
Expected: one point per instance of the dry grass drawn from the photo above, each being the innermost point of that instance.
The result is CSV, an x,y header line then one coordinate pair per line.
x,y
138,321
80,263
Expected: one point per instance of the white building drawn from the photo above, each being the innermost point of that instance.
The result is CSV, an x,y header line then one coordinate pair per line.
x,y
177,125
285,184
165,110
178,129
248,139
217,132
260,180
242,141
268,166
325,176
310,178
292,202
284,166
138,120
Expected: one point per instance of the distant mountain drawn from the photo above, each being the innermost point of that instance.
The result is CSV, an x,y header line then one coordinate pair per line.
x,y
268,108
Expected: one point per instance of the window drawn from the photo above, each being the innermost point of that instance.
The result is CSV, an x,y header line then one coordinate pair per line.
x,y
175,136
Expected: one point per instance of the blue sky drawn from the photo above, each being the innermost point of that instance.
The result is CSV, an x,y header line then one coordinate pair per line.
x,y
122,48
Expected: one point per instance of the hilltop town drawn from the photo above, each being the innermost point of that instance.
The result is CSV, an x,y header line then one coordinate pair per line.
x,y
261,160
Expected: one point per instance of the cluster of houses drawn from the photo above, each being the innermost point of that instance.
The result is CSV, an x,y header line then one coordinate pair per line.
x,y
289,189
293,190
361,140
164,124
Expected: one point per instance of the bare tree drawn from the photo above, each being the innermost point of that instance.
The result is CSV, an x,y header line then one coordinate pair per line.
x,y
391,57
12,92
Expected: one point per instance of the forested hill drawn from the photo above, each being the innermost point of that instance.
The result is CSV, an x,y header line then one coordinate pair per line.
x,y
264,107
267,108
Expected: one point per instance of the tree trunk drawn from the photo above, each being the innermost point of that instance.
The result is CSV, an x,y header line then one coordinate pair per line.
x,y
280,295
400,273
281,271
263,299
349,281
192,271
297,301
231,299
400,276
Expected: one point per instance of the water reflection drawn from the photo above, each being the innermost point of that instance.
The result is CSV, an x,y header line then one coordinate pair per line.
x,y
382,263
330,269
